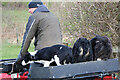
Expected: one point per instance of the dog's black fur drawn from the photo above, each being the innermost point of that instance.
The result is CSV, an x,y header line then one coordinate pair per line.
x,y
82,50
63,52
102,47
28,57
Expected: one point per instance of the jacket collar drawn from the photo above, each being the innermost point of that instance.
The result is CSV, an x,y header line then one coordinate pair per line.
x,y
41,8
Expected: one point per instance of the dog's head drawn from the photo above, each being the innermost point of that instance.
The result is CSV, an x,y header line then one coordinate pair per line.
x,y
28,57
102,47
82,50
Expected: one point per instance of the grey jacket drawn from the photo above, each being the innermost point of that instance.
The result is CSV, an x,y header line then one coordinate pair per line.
x,y
45,27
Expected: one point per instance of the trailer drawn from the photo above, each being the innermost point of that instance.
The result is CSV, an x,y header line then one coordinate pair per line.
x,y
93,70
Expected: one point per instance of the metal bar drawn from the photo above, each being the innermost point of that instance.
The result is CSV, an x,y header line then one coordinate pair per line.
x,y
7,59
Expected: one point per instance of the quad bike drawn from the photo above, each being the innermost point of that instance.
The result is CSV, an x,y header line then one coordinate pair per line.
x,y
93,70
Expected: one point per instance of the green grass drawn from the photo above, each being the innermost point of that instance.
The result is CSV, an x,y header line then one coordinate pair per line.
x,y
14,18
11,19
9,51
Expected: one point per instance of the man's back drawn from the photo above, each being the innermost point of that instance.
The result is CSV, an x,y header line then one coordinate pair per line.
x,y
48,30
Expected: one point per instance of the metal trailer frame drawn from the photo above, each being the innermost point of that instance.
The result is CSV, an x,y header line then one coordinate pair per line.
x,y
74,71
82,70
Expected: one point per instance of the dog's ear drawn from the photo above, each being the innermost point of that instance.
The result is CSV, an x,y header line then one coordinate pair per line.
x,y
79,39
74,49
106,40
93,39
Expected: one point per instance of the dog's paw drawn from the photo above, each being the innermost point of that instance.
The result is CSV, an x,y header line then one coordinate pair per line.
x,y
98,59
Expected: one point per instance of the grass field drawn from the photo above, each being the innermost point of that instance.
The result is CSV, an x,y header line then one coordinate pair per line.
x,y
12,19
10,51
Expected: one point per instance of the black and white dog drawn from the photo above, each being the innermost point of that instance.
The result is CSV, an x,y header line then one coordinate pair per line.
x,y
102,47
59,54
82,50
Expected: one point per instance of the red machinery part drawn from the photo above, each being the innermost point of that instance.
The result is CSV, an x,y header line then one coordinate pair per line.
x,y
5,76
106,78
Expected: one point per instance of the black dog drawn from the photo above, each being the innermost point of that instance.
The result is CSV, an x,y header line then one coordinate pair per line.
x,y
59,54
82,50
102,47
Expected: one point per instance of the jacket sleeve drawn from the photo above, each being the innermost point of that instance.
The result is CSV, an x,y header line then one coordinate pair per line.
x,y
28,36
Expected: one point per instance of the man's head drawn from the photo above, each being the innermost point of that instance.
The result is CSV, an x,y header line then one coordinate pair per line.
x,y
33,5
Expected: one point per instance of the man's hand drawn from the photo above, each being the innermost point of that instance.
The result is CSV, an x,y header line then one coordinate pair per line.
x,y
12,68
18,67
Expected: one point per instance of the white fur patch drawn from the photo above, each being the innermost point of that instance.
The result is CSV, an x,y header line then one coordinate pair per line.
x,y
47,63
60,47
33,53
64,62
44,62
97,41
23,62
98,59
57,60
81,53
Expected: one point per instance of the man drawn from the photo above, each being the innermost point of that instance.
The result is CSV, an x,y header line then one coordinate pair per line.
x,y
42,25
